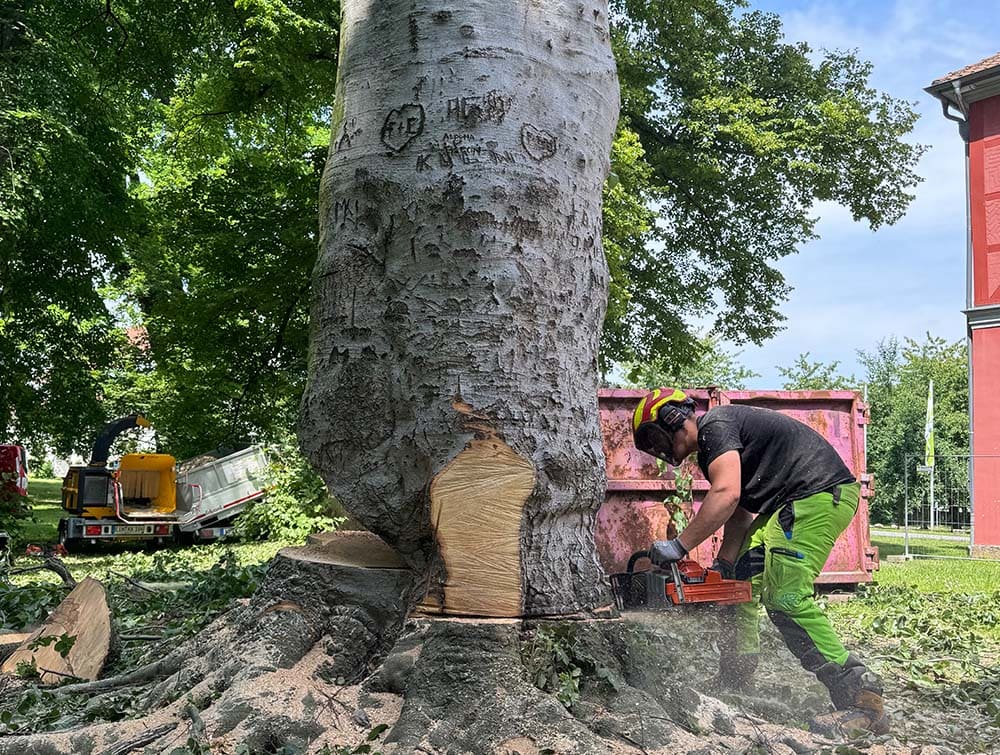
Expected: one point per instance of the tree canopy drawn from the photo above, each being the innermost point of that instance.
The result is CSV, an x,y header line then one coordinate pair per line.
x,y
713,365
164,160
741,133
159,172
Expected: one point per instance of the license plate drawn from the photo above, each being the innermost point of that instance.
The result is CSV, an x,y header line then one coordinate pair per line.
x,y
134,529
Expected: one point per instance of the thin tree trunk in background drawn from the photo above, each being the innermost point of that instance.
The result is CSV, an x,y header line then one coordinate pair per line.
x,y
460,292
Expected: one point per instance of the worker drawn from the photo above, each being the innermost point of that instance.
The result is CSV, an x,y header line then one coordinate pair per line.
x,y
782,495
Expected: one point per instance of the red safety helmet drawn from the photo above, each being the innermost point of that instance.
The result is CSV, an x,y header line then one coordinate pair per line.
x,y
659,415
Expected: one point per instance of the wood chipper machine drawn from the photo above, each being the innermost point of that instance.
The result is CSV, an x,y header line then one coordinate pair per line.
x,y
152,497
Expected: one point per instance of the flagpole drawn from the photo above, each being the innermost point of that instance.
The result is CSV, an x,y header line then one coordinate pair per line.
x,y
933,519
929,446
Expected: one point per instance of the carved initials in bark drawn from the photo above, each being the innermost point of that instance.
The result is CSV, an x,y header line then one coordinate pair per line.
x,y
402,126
538,143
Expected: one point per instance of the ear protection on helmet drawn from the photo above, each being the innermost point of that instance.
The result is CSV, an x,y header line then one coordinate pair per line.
x,y
673,416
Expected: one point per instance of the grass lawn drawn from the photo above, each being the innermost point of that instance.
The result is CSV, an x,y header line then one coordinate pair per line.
x,y
46,505
936,575
893,546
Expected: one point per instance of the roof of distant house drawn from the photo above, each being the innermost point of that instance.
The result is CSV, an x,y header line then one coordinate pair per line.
x,y
138,337
967,85
993,61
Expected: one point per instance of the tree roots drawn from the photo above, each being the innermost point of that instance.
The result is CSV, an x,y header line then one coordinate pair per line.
x,y
320,657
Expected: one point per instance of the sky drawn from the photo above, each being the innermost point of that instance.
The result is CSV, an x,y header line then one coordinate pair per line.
x,y
854,287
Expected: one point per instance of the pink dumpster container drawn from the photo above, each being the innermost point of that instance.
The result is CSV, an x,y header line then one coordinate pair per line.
x,y
633,514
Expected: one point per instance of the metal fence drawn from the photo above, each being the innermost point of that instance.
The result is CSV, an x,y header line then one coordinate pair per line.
x,y
938,507
937,510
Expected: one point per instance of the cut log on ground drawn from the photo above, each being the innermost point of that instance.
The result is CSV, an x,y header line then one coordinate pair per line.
x,y
83,615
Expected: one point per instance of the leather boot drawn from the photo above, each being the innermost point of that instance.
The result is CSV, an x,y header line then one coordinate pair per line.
x,y
856,693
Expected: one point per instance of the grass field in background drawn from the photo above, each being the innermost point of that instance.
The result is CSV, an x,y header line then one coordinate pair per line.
x,y
46,505
894,546
935,574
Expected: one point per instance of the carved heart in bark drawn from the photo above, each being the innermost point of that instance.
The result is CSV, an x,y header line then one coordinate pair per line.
x,y
537,142
402,126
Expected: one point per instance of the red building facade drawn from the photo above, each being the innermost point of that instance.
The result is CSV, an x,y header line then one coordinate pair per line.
x,y
971,96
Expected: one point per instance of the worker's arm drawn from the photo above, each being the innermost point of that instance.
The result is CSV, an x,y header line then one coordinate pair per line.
x,y
734,534
720,501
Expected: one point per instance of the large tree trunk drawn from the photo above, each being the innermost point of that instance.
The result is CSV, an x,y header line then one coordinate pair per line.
x,y
459,295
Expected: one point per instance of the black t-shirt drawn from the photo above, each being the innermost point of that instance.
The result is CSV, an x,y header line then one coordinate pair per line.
x,y
782,459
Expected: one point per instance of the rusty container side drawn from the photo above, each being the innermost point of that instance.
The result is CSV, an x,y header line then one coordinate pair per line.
x,y
634,514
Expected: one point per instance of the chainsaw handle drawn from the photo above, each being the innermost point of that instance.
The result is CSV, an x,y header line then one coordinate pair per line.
x,y
637,556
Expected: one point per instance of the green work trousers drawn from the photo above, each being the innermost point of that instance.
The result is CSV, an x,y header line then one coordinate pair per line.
x,y
795,542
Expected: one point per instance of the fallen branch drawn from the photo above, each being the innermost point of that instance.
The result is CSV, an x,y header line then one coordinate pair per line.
x,y
163,667
142,740
132,581
56,673
139,637
163,586
52,564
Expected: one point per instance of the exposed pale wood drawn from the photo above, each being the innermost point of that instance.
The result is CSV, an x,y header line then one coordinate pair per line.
x,y
13,637
477,504
85,614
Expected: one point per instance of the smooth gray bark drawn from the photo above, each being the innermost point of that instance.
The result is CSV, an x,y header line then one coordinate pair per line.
x,y
461,282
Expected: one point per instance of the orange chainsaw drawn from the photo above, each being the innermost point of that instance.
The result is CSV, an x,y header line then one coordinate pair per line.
x,y
682,583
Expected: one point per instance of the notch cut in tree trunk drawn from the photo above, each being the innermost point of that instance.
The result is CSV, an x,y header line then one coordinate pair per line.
x,y
83,614
477,505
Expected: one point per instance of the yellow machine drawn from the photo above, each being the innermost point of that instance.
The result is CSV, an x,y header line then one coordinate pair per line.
x,y
90,491
145,495
146,498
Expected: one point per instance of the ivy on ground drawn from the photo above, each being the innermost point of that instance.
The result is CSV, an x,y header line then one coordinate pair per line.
x,y
941,649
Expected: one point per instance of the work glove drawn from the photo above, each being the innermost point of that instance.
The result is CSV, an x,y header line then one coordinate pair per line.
x,y
726,568
666,552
